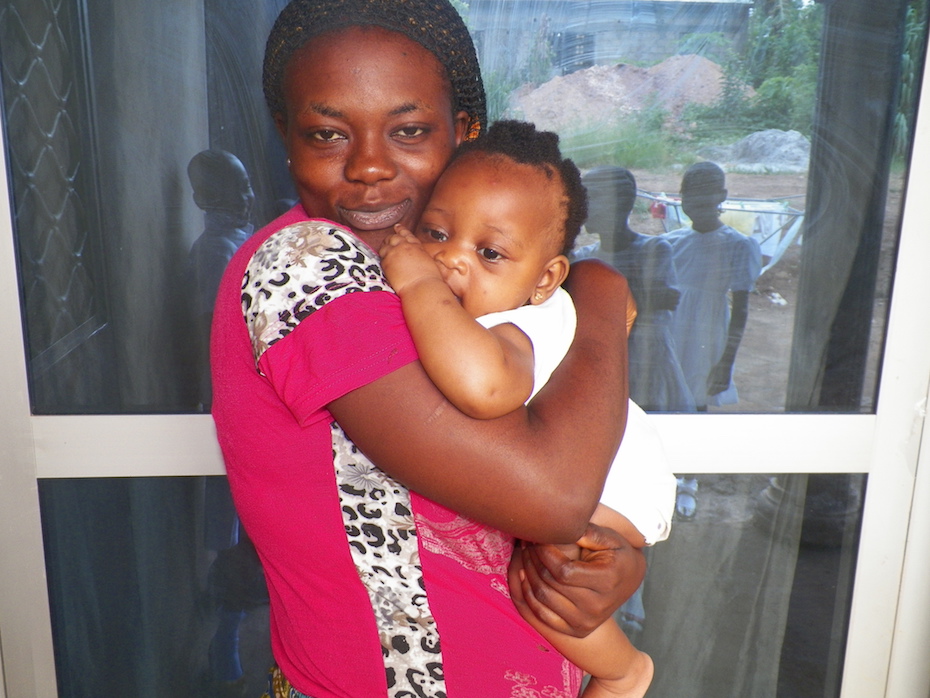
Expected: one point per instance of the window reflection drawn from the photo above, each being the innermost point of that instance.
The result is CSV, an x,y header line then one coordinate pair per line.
x,y
751,596
152,593
105,219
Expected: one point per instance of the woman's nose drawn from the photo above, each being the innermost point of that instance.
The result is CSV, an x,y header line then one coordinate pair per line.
x,y
369,161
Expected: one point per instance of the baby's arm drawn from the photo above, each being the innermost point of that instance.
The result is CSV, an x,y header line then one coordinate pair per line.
x,y
616,666
485,373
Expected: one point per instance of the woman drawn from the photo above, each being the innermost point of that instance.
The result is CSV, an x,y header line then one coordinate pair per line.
x,y
371,98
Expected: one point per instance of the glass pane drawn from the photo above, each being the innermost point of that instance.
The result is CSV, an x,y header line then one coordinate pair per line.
x,y
751,596
800,104
101,134
807,106
154,590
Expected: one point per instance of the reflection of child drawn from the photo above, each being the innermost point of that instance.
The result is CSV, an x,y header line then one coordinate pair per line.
x,y
717,268
656,379
223,190
491,245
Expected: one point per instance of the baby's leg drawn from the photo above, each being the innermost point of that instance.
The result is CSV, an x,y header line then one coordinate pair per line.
x,y
617,668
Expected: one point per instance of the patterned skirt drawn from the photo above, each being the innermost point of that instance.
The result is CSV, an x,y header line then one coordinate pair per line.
x,y
280,687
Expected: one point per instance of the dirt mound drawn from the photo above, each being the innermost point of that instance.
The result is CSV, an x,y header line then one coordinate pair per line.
x,y
762,152
605,94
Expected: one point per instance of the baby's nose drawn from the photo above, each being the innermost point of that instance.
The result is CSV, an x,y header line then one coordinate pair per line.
x,y
450,259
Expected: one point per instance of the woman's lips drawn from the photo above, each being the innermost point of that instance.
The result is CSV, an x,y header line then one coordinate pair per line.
x,y
379,219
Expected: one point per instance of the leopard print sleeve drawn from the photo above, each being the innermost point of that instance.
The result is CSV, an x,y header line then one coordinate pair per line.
x,y
297,271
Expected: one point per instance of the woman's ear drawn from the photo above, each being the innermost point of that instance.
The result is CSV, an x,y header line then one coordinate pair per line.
x,y
281,124
461,121
552,277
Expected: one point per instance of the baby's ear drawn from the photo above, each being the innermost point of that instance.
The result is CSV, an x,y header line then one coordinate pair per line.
x,y
552,277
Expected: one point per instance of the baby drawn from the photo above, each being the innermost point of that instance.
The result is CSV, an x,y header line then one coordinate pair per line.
x,y
480,288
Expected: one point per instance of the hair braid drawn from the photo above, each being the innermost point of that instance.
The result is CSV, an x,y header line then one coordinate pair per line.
x,y
434,24
522,143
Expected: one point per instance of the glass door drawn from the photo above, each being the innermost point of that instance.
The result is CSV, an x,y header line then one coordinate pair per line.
x,y
794,566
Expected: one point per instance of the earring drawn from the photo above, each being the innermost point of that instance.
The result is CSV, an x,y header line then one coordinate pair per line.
x,y
288,163
538,295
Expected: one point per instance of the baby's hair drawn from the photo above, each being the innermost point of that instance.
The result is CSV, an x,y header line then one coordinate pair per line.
x,y
434,24
522,143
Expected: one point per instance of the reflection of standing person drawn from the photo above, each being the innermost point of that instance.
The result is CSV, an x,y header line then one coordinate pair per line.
x,y
712,261
381,513
656,379
223,190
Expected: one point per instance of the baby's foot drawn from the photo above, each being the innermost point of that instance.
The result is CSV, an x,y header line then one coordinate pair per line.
x,y
633,684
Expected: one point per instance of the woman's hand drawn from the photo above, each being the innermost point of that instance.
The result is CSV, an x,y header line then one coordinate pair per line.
x,y
575,596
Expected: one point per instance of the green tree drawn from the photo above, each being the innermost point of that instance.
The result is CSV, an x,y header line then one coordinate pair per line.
x,y
784,37
915,39
779,61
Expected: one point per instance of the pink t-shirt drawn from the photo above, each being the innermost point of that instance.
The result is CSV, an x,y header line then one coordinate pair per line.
x,y
374,590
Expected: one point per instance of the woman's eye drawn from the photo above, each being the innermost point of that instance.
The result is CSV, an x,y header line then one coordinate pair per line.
x,y
489,254
326,135
410,131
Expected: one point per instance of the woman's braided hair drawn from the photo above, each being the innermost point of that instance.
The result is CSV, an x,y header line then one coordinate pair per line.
x,y
434,24
521,142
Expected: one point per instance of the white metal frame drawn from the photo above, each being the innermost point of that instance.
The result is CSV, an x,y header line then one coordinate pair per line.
x,y
890,622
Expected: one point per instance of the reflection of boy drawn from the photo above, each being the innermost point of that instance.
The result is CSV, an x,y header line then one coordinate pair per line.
x,y
656,379
223,190
491,245
712,261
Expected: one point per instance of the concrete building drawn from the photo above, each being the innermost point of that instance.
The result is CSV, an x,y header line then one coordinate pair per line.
x,y
511,34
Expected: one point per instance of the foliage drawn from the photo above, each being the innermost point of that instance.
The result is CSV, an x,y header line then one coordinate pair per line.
x,y
537,68
914,44
772,81
534,69
637,141
782,40
769,81
498,86
714,46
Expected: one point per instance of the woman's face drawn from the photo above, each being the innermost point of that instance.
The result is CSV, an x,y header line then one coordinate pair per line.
x,y
368,128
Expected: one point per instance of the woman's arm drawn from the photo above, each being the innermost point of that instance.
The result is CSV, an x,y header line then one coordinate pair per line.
x,y
551,457
485,373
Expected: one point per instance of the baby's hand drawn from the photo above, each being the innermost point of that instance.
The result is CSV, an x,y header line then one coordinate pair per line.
x,y
405,261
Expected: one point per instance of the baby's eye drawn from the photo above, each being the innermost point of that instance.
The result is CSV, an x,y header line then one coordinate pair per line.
x,y
433,234
489,254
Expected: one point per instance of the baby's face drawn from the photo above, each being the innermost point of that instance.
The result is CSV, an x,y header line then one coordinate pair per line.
x,y
492,226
